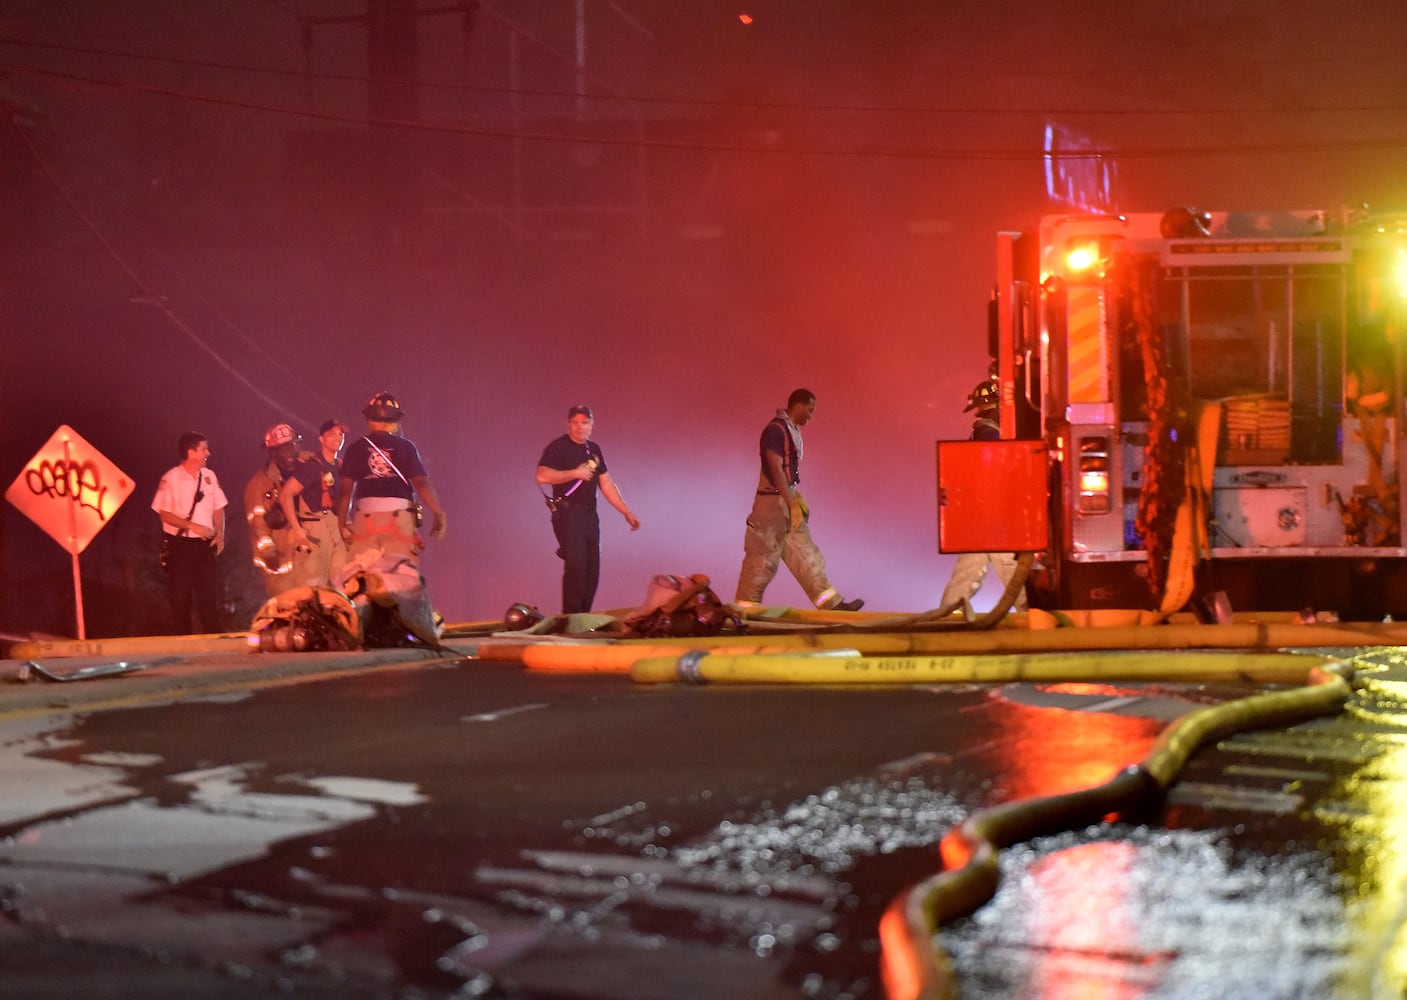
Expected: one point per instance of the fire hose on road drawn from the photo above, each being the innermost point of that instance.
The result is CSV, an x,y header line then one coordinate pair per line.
x,y
913,966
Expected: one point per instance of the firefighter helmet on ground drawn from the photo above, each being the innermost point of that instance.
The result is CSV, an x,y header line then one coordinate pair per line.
x,y
984,397
383,406
521,616
279,434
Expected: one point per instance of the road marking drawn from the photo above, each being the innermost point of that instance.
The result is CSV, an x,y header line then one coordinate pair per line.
x,y
1285,773
615,814
391,793
638,870
1110,704
503,713
915,763
733,902
1339,811
1215,796
1302,744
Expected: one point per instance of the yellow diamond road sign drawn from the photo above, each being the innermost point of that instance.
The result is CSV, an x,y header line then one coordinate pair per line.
x,y
70,489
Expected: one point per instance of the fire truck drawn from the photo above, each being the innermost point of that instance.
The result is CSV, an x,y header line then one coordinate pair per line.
x,y
1199,410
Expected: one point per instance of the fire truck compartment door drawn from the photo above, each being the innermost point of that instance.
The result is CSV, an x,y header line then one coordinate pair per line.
x,y
1267,517
992,496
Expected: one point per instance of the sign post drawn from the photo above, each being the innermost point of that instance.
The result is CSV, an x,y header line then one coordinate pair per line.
x,y
71,490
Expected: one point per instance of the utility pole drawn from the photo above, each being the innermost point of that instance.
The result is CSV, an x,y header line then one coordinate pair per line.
x,y
393,96
396,155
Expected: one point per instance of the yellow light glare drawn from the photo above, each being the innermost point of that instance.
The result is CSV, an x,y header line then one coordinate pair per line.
x,y
1081,258
1094,482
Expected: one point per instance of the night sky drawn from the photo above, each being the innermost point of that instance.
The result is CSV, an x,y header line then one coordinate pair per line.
x,y
220,214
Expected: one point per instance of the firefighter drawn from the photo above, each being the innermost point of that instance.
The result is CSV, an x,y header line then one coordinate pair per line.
x,y
269,530
381,478
309,502
382,474
971,567
778,529
1367,391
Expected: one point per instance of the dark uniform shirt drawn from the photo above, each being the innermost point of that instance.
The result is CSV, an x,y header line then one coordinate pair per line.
x,y
375,472
564,454
318,477
776,438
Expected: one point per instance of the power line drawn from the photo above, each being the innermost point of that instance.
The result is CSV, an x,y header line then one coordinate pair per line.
x,y
858,151
698,102
253,345
146,295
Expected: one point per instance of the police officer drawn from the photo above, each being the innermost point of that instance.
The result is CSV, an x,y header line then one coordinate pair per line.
x,y
971,567
575,467
270,532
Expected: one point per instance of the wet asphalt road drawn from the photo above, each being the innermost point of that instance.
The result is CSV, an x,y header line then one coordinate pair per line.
x,y
473,829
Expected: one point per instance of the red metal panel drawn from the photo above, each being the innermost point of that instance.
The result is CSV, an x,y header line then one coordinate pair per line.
x,y
992,496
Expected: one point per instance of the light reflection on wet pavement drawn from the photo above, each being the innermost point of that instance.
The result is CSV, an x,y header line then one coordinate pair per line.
x,y
1282,874
1129,912
1293,888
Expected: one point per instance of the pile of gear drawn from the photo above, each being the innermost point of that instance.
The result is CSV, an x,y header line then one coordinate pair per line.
x,y
377,599
675,606
374,606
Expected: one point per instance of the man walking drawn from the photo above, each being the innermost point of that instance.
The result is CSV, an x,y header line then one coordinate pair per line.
x,y
778,528
574,466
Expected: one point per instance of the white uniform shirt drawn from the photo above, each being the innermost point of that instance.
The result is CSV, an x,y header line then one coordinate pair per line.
x,y
176,492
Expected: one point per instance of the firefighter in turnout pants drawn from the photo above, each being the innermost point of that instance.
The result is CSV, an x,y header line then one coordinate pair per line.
x,y
382,475
309,502
777,528
971,567
270,533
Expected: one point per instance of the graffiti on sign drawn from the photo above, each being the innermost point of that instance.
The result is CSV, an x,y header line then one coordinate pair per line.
x,y
70,489
77,482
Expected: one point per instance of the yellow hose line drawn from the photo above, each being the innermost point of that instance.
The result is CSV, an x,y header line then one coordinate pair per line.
x,y
619,659
704,666
915,969
454,630
1328,687
1263,637
137,645
814,616
1266,635
617,654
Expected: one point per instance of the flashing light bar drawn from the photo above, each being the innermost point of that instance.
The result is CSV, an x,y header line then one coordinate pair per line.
x,y
1081,258
1088,256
